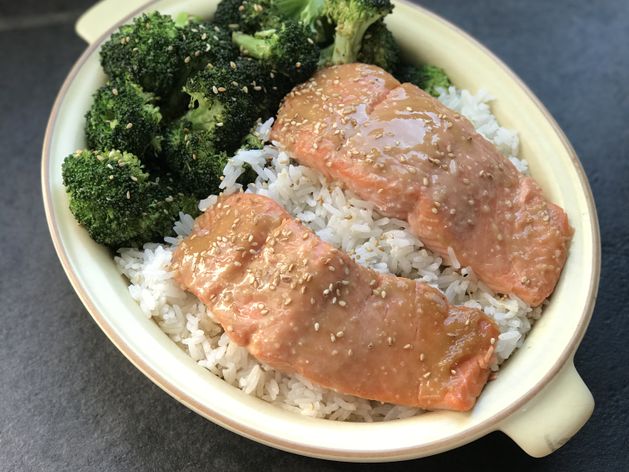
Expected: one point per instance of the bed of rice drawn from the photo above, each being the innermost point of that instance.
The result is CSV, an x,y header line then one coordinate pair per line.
x,y
341,219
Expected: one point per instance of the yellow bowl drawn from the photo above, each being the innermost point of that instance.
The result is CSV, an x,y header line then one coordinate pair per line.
x,y
538,398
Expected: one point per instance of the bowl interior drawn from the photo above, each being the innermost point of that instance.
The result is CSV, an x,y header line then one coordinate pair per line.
x,y
425,38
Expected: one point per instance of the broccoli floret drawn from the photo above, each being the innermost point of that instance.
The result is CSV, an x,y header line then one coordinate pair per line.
x,y
287,49
380,48
123,116
428,78
246,16
203,43
145,50
221,105
352,19
266,86
222,109
193,158
310,14
118,203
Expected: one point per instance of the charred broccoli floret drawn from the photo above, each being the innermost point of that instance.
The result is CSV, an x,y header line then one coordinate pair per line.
x,y
428,78
145,50
380,48
123,116
352,19
118,203
287,49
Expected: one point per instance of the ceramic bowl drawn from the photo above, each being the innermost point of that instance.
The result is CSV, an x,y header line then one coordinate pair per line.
x,y
538,399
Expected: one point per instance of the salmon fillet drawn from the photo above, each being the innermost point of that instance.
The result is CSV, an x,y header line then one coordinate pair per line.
x,y
302,306
417,160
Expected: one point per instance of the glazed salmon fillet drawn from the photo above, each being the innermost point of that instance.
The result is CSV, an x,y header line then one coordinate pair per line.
x,y
304,307
419,161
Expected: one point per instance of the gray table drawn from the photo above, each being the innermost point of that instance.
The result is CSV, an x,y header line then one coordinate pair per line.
x,y
70,401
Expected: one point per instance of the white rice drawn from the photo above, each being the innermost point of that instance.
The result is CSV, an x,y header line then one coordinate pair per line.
x,y
341,219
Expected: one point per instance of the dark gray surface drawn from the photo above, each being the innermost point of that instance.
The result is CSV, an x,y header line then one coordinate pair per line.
x,y
70,401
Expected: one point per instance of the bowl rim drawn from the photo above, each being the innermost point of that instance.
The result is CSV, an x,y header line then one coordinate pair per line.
x,y
179,393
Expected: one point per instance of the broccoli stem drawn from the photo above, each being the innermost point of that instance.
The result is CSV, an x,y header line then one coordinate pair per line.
x,y
256,47
348,41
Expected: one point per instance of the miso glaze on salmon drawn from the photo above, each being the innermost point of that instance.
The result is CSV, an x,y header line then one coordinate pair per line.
x,y
302,306
415,159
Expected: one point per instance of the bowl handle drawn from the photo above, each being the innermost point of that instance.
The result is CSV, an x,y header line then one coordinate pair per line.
x,y
102,16
553,416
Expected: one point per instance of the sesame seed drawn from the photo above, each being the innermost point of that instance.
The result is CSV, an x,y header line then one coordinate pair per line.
x,y
426,375
129,125
340,334
331,268
492,341
265,312
407,346
287,302
237,264
422,357
453,372
332,338
342,303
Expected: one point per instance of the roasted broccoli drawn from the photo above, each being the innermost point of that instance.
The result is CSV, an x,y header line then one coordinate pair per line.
x,y
352,19
262,82
380,48
192,156
222,110
287,49
145,50
246,16
310,14
203,43
220,103
428,78
200,45
123,116
118,203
